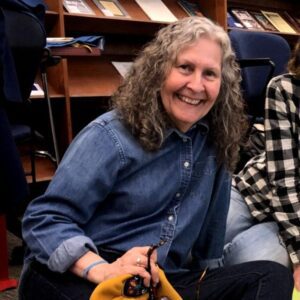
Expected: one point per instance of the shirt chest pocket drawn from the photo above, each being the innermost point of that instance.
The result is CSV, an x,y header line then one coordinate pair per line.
x,y
204,168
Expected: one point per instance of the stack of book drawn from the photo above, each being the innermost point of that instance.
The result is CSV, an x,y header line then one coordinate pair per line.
x,y
263,20
155,10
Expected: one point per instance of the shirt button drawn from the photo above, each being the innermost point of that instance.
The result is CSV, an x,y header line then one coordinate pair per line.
x,y
178,195
186,164
185,140
170,218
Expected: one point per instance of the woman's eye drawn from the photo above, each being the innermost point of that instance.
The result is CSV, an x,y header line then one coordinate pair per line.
x,y
185,68
210,73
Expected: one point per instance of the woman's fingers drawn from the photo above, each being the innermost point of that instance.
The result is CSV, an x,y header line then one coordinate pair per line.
x,y
154,273
135,262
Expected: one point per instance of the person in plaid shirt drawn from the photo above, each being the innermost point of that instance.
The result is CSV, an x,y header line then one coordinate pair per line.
x,y
264,217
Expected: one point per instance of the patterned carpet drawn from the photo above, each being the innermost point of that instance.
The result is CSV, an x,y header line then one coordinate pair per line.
x,y
14,270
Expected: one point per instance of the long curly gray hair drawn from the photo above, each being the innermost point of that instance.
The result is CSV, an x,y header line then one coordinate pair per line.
x,y
138,102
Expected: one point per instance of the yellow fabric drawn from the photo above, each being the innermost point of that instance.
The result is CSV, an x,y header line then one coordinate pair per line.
x,y
112,289
296,294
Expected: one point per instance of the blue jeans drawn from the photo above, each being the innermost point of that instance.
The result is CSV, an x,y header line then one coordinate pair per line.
x,y
247,240
262,280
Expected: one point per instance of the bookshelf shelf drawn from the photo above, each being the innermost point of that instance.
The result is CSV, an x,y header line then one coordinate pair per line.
x,y
108,25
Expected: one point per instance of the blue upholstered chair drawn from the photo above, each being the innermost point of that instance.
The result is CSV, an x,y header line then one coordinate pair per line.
x,y
262,55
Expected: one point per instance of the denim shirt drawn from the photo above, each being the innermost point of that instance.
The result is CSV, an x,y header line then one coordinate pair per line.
x,y
109,192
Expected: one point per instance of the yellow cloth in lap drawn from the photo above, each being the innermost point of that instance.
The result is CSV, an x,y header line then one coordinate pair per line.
x,y
112,289
296,294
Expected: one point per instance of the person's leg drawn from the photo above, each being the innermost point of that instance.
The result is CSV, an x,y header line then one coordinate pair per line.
x,y
39,283
239,218
247,240
260,242
261,280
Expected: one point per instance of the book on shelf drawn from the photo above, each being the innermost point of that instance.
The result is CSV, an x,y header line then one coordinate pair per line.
x,y
191,8
77,7
122,67
156,10
233,22
278,21
246,19
293,21
263,21
111,8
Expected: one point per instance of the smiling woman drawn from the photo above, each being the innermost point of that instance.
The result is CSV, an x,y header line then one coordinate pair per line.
x,y
155,168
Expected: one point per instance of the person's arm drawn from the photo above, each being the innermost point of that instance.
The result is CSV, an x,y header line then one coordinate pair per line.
x,y
53,223
283,164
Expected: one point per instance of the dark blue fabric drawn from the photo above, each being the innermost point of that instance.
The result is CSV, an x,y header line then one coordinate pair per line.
x,y
38,7
13,185
8,73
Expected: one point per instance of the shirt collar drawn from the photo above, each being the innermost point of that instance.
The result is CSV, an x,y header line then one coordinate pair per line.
x,y
202,125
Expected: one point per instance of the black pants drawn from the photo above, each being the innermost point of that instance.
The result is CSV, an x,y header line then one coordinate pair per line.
x,y
260,280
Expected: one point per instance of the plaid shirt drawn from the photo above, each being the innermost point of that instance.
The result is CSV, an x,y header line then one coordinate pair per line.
x,y
270,181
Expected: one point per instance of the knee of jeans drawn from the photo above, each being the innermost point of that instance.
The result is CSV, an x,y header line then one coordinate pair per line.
x,y
258,243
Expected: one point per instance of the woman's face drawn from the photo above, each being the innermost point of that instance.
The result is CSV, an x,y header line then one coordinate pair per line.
x,y
193,84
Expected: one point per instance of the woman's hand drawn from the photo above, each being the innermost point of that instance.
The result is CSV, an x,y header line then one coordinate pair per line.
x,y
134,262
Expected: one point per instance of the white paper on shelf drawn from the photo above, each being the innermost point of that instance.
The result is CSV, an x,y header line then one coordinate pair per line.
x,y
122,67
156,10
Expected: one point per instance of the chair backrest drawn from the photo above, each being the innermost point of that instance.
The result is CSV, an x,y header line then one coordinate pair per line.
x,y
26,37
258,45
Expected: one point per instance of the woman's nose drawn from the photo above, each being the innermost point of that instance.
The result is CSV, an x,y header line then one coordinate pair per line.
x,y
196,83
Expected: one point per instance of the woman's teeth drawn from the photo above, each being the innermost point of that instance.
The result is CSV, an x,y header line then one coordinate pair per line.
x,y
189,100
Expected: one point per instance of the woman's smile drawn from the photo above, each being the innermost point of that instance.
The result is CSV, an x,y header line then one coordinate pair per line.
x,y
189,100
